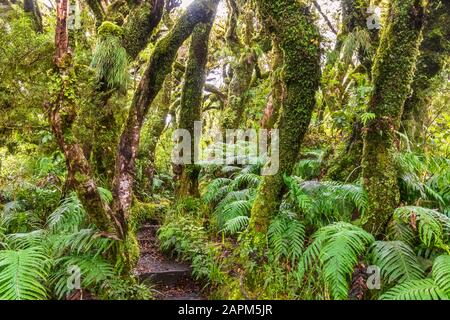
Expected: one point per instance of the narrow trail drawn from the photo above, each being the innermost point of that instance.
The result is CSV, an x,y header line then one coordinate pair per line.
x,y
170,279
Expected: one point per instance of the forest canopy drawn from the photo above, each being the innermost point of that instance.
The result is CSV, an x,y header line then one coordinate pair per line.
x,y
225,149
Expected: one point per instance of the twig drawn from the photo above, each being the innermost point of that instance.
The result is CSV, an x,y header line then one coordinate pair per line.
x,y
330,25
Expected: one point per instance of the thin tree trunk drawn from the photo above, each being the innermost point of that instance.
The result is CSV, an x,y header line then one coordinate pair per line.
x,y
434,52
232,115
32,7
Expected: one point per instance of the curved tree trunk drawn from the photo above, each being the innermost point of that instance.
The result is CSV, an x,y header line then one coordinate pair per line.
x,y
393,73
62,113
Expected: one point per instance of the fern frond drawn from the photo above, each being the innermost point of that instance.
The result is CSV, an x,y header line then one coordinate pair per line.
x,y
425,289
236,224
23,274
94,270
68,216
337,248
441,273
433,227
397,261
110,61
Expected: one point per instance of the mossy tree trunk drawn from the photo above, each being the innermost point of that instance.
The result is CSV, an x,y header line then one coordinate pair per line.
x,y
97,9
393,73
159,66
273,106
294,29
192,101
62,114
136,30
434,52
153,128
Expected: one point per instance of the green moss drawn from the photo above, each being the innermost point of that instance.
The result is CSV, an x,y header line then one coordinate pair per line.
x,y
139,26
110,28
299,39
393,74
192,100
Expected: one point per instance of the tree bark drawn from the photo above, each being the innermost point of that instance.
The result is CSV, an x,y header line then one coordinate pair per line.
x,y
393,73
140,25
62,113
232,115
31,7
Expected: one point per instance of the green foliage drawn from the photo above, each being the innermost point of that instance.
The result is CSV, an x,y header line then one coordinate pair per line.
x,y
432,226
23,274
309,167
397,261
436,288
425,289
320,203
424,180
110,61
336,249
286,238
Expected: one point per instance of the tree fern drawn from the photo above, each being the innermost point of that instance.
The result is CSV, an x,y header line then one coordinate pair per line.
x,y
23,274
397,261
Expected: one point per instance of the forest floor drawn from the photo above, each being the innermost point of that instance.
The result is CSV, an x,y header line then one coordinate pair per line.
x,y
168,278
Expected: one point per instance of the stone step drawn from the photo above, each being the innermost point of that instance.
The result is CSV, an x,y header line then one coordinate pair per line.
x,y
165,273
